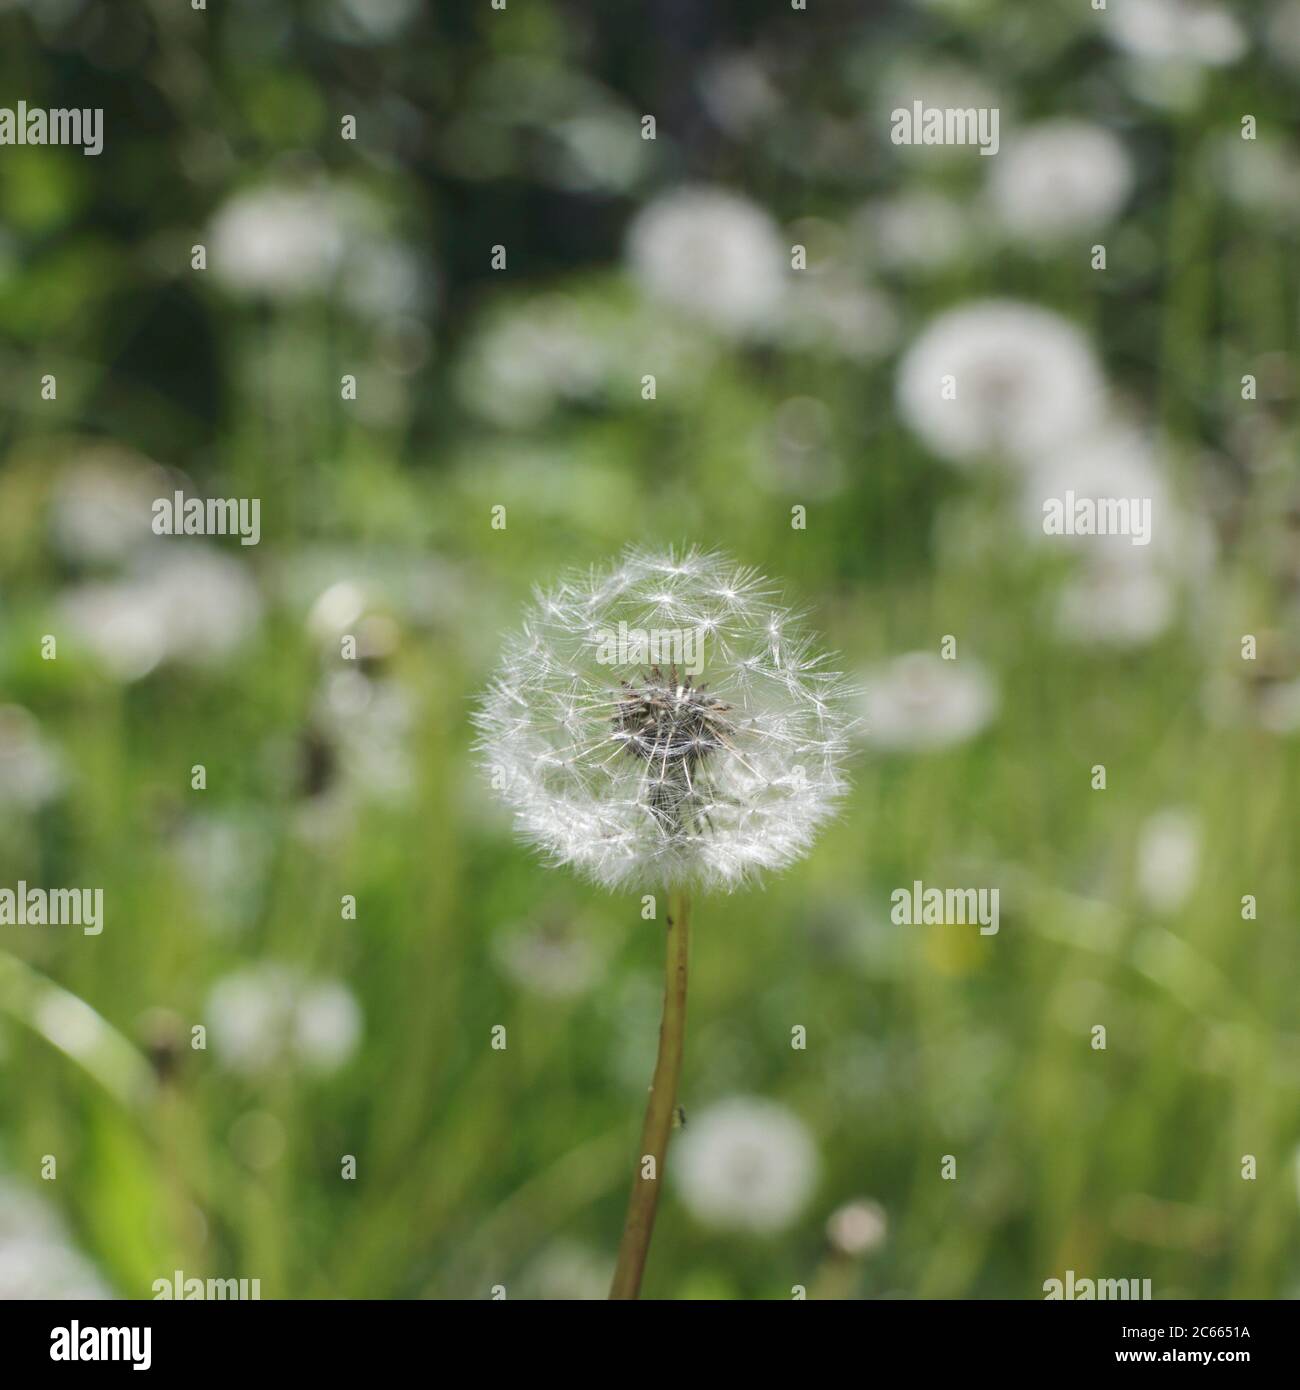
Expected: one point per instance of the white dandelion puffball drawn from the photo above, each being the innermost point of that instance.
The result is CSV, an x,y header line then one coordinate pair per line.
x,y
919,702
1187,31
549,958
918,228
1118,462
664,720
997,377
1059,179
527,358
289,241
1168,858
281,241
1118,599
99,506
31,768
194,607
713,254
858,1227
746,1164
270,1014
37,1270
830,313
521,363
37,1260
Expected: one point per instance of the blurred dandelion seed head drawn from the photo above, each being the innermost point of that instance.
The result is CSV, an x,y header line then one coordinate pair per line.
x,y
746,1164
31,768
1059,179
919,701
37,1259
1192,32
713,254
271,1014
1168,858
857,1228
1020,380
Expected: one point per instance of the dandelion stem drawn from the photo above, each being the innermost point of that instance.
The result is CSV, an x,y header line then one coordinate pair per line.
x,y
639,1226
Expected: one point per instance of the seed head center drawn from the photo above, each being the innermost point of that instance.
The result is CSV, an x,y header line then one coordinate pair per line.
x,y
667,718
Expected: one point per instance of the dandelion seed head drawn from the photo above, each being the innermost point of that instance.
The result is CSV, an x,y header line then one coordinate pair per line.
x,y
37,1260
270,1014
1168,858
857,1228
1115,601
31,768
666,721
918,228
1115,461
1060,178
713,254
1194,32
918,701
1023,379
280,241
746,1164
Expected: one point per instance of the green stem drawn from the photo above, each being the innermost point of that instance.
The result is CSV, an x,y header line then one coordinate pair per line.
x,y
639,1226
